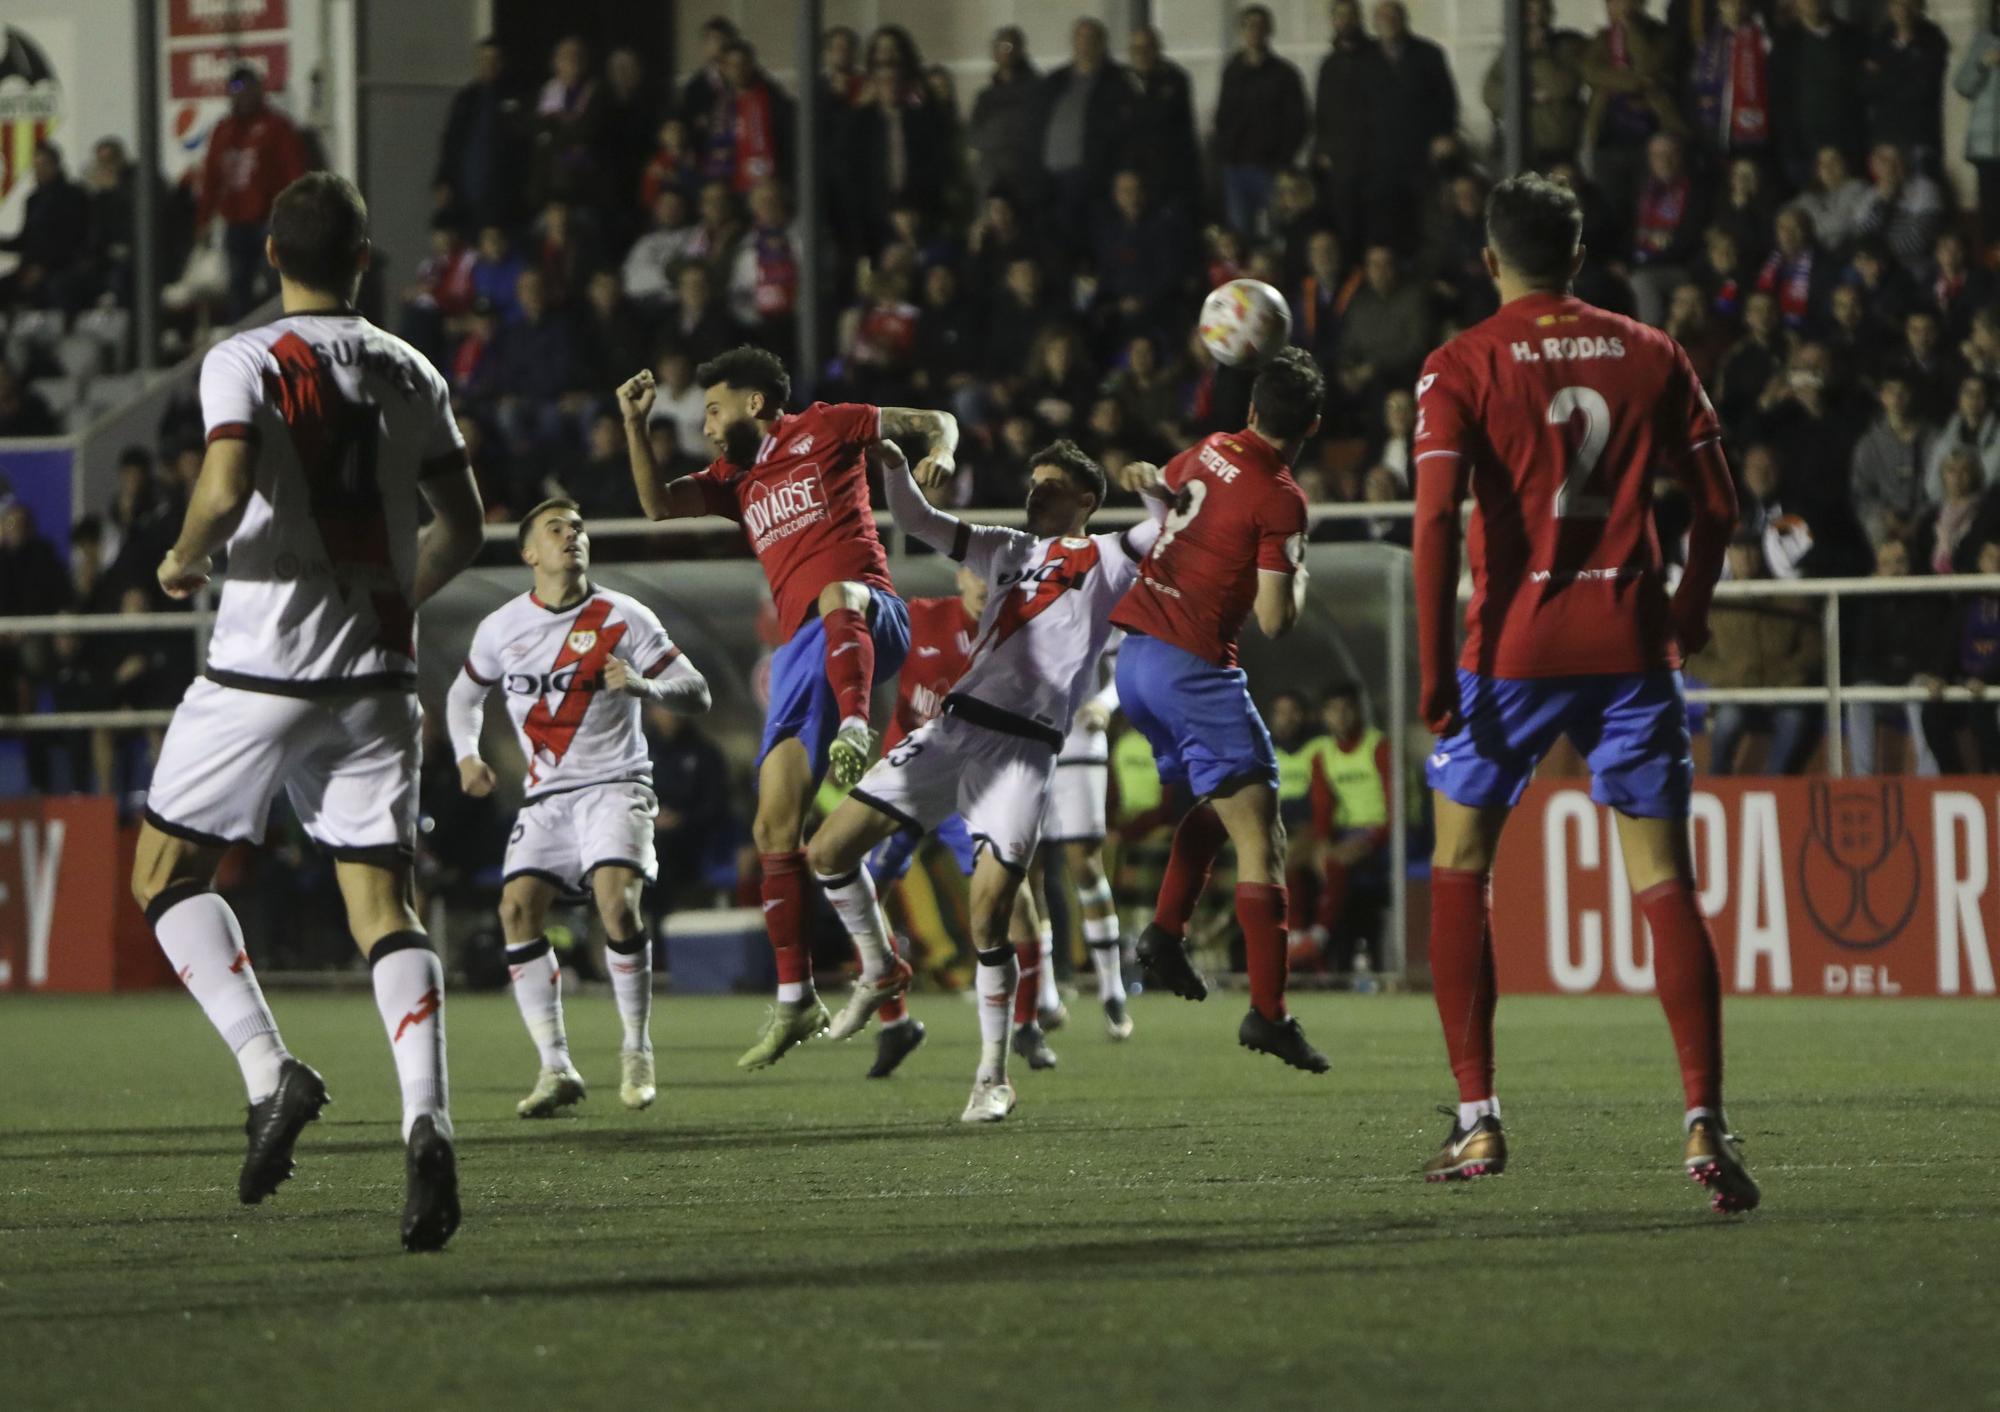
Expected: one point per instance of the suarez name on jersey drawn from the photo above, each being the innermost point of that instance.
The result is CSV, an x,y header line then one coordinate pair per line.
x,y
346,420
549,664
1556,416
803,504
941,633
1237,511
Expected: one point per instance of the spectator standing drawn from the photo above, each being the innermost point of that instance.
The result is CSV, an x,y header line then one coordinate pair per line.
x,y
254,153
1890,640
702,93
1816,82
1889,463
1084,114
1629,67
1666,227
899,138
628,127
1342,141
1903,83
749,126
533,368
1837,201
485,146
1319,299
1004,131
1973,660
1905,208
1162,146
1413,122
1976,81
569,123
1555,88
1730,83
1260,121
1140,254
764,285
1760,642
1388,331
1974,426
1453,254
650,263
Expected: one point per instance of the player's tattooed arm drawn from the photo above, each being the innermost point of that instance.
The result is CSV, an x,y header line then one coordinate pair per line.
x,y
937,430
915,515
228,475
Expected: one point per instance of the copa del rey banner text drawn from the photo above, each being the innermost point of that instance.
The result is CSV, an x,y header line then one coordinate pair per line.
x,y
1875,887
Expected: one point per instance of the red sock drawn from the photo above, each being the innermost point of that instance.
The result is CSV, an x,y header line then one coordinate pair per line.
x,y
1689,985
1332,894
893,1010
784,894
850,660
1462,977
1260,911
1196,842
1029,954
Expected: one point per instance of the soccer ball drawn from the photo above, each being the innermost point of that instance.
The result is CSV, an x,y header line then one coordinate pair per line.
x,y
1244,322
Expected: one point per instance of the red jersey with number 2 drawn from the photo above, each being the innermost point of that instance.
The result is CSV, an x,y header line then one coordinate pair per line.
x,y
1556,416
803,504
1237,511
941,636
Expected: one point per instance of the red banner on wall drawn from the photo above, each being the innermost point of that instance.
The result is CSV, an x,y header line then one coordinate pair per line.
x,y
191,17
67,918
203,72
1813,887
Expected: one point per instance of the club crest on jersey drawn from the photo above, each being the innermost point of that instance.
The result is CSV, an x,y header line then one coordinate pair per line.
x,y
582,642
802,447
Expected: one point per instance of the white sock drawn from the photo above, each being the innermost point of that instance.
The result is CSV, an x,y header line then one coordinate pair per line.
x,y
852,721
632,984
1109,960
995,980
1687,1121
1470,1113
791,992
409,993
1098,929
204,945
854,902
1049,997
537,979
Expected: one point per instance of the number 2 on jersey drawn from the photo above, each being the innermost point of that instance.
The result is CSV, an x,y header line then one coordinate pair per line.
x,y
1582,453
1186,506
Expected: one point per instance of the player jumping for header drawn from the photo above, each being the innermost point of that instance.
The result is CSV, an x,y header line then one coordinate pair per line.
x,y
798,484
1555,416
323,433
991,756
1234,544
574,661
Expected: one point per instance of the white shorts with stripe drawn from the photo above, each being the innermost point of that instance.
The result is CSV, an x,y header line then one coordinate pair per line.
x,y
999,784
565,836
348,764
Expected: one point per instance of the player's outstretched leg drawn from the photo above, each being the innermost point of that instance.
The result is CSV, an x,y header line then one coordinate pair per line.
x,y
628,956
204,944
885,976
1163,945
850,672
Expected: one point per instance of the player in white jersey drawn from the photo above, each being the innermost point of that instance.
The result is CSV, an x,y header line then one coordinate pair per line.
x,y
323,433
573,662
991,756
1076,823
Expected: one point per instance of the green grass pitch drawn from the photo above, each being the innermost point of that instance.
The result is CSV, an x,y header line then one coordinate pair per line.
x,y
1168,1223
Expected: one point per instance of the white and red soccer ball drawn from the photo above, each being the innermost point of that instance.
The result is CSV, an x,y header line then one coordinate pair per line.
x,y
1244,322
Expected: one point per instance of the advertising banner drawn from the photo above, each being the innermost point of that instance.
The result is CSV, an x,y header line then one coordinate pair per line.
x,y
1875,887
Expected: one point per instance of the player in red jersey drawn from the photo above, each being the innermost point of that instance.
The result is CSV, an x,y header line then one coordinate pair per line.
x,y
1233,544
941,637
798,484
1555,417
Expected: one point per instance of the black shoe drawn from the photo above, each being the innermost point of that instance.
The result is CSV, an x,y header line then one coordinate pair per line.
x,y
1032,1045
1165,958
1283,1038
894,1044
430,1210
274,1125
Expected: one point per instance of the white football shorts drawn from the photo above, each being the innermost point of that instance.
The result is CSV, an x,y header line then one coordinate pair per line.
x,y
1076,803
348,764
998,783
565,836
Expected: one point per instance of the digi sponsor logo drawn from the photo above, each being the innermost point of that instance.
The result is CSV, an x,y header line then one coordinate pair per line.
x,y
551,683
774,510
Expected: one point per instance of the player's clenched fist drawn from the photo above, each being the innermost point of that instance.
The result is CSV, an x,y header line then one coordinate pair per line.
x,y
1143,478
619,676
635,397
475,777
180,578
